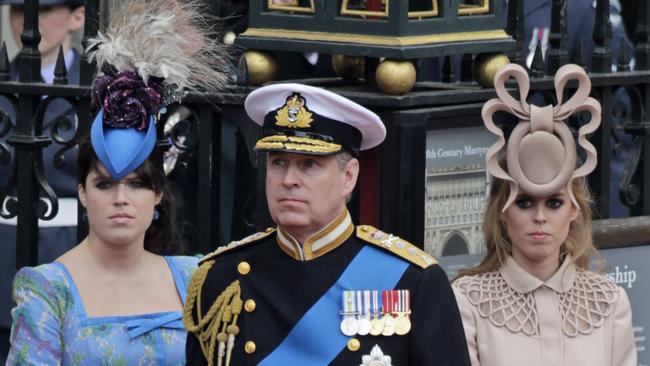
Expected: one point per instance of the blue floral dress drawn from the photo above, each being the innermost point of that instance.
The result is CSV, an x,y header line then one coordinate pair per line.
x,y
50,325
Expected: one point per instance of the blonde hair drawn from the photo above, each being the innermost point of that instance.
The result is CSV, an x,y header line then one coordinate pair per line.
x,y
579,242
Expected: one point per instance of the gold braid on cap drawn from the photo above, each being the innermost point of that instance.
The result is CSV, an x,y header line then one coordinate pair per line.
x,y
540,134
218,327
277,142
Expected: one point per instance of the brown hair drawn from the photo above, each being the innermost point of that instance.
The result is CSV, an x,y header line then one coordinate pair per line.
x,y
162,237
579,242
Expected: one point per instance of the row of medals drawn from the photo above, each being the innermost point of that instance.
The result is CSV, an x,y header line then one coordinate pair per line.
x,y
387,323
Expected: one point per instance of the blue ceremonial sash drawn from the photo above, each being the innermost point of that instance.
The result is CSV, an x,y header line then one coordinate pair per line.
x,y
316,339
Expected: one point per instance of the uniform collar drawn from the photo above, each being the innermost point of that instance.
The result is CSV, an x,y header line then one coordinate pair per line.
x,y
325,240
523,282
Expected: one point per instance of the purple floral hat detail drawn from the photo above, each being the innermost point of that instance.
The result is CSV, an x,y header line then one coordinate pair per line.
x,y
151,54
126,100
123,133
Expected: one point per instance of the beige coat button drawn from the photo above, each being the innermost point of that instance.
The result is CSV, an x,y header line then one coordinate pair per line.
x,y
354,344
249,305
249,347
243,268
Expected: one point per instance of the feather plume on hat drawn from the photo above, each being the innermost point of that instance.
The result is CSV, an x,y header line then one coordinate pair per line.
x,y
152,53
167,39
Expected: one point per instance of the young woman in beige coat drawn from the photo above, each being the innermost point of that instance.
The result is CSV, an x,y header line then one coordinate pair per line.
x,y
533,301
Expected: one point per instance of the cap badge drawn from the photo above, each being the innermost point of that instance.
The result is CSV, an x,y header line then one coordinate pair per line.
x,y
294,114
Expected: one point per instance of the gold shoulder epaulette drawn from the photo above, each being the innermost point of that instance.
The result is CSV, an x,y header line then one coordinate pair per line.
x,y
395,245
238,243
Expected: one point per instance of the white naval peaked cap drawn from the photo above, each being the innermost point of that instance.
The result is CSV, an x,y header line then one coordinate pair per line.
x,y
305,119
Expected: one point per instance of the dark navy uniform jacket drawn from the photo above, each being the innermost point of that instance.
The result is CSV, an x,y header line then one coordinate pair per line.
x,y
53,241
279,284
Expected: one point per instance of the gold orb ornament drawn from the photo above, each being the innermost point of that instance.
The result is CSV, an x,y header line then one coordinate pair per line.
x,y
348,67
486,66
395,76
261,67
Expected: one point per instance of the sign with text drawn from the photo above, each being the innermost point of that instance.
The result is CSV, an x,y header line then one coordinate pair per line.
x,y
458,147
628,267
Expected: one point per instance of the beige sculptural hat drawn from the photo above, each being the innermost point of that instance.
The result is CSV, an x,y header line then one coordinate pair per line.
x,y
541,153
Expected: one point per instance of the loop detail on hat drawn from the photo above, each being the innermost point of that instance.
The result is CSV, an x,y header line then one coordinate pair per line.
x,y
532,156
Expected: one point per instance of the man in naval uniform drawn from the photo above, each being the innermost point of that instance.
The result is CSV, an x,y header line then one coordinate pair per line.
x,y
318,290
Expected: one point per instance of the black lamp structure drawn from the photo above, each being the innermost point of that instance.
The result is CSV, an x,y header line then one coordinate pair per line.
x,y
392,29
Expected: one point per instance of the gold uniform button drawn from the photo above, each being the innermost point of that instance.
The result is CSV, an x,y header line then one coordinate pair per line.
x,y
354,344
249,305
249,347
243,268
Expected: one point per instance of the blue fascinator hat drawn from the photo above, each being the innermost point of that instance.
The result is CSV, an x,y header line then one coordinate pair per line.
x,y
121,150
123,133
152,53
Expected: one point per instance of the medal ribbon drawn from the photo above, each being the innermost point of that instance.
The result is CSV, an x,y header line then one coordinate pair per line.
x,y
407,302
398,300
359,297
387,301
376,304
365,310
316,338
349,306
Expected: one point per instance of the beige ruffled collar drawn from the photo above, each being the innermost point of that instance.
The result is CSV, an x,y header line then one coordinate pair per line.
x,y
506,298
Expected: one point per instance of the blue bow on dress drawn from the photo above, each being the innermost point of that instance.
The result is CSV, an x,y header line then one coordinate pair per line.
x,y
138,327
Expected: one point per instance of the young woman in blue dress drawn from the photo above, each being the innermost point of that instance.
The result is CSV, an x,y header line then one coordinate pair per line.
x,y
116,298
